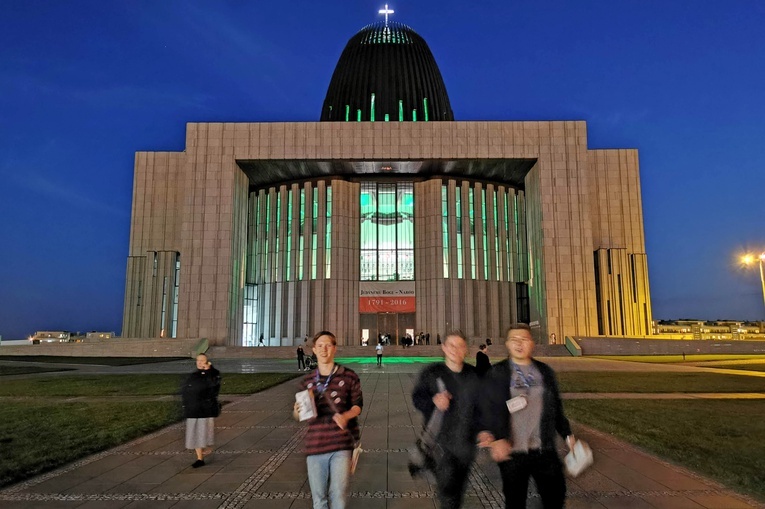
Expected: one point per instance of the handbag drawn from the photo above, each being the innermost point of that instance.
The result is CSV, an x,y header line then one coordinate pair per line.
x,y
357,450
578,459
426,452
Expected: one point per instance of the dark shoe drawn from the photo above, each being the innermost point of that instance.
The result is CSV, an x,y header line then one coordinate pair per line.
x,y
198,463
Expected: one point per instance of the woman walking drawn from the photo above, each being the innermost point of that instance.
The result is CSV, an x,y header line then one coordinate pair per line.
x,y
200,407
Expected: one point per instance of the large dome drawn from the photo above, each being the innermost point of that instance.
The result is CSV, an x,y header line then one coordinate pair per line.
x,y
386,69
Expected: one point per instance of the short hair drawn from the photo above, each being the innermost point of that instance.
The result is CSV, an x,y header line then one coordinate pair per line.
x,y
203,355
456,332
518,326
482,346
324,333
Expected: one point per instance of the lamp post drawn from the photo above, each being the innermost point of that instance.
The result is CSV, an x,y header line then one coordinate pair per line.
x,y
750,259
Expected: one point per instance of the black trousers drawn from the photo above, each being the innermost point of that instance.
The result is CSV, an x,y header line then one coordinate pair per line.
x,y
301,363
546,469
451,480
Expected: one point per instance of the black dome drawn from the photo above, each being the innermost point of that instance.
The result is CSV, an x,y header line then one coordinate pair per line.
x,y
393,64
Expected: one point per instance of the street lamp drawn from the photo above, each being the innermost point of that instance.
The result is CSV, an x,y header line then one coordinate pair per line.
x,y
751,259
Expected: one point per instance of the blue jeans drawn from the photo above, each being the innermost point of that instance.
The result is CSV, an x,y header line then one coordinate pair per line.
x,y
329,476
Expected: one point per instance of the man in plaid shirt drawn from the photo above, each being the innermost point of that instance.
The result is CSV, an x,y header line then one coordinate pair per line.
x,y
334,432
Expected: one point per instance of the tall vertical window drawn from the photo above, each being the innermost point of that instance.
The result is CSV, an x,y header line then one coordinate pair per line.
x,y
387,231
176,287
458,207
495,209
314,233
301,238
445,227
485,236
471,216
328,236
288,267
277,226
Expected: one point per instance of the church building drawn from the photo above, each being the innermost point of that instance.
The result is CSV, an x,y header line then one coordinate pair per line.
x,y
387,216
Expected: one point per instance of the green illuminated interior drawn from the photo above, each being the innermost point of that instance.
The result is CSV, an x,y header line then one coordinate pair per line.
x,y
387,231
425,108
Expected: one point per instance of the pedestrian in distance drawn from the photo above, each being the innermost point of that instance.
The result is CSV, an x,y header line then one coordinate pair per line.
x,y
482,362
520,421
379,351
200,407
301,357
334,430
450,387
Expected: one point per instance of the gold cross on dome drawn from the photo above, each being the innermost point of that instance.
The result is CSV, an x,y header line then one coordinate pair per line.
x,y
386,11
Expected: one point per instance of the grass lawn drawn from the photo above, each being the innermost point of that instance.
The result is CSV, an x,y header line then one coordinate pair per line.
x,y
133,385
745,367
101,361
620,381
37,436
676,359
25,370
724,440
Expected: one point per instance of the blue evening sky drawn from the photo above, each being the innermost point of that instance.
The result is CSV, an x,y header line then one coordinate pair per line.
x,y
86,84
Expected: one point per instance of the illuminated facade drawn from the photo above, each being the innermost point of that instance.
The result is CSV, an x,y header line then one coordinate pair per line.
x,y
386,217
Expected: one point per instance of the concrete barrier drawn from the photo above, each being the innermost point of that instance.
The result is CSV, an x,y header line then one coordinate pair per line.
x,y
647,346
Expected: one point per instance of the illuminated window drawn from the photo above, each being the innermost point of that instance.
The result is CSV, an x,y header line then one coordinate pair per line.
x,y
485,236
176,287
301,236
288,266
458,210
387,231
445,227
314,232
328,235
471,217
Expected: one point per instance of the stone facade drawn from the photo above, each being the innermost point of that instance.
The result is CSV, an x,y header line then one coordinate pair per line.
x,y
191,209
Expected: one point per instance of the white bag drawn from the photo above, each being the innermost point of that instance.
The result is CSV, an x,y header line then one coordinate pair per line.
x,y
578,459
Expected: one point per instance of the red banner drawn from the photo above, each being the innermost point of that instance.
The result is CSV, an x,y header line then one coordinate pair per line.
x,y
386,305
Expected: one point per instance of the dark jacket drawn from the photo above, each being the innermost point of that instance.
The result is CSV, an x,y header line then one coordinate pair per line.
x,y
495,417
200,394
459,427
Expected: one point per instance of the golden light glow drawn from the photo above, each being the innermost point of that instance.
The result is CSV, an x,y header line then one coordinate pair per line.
x,y
747,259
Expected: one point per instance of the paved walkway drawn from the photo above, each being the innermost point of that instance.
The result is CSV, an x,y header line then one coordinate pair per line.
x,y
259,464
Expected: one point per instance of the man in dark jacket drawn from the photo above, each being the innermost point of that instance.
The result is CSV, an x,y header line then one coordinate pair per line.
x,y
200,406
456,438
482,362
520,421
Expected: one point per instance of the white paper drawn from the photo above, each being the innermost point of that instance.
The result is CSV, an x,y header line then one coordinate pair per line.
x,y
307,405
516,403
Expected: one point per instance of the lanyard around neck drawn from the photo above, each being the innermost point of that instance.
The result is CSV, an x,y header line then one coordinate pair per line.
x,y
326,382
528,381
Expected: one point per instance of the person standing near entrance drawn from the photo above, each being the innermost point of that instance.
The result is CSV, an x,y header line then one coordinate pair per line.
x,y
301,357
456,437
482,362
520,421
334,431
379,350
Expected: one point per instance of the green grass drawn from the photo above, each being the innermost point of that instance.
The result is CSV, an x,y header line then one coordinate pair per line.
x,y
676,359
37,437
744,367
724,440
25,370
132,385
102,361
620,381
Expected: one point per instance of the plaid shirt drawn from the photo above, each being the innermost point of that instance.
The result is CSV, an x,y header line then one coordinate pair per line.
x,y
341,393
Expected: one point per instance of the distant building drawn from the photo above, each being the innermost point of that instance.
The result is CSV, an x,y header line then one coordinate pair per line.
x,y
386,216
59,336
713,330
99,335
